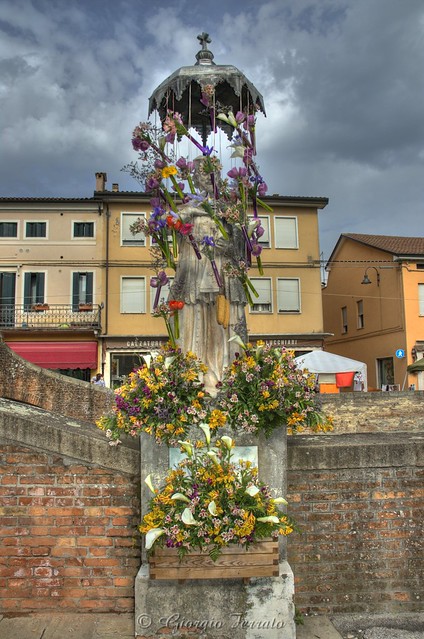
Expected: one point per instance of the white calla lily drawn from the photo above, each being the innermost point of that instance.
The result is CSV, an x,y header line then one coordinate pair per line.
x,y
207,432
147,360
152,535
187,448
227,441
270,519
148,482
280,500
168,361
238,151
213,456
252,490
188,519
229,119
212,509
180,497
237,339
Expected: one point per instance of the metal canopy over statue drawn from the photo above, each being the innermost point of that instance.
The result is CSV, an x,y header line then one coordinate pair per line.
x,y
182,92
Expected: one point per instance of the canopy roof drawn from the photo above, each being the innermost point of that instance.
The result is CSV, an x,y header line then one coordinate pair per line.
x,y
324,362
182,92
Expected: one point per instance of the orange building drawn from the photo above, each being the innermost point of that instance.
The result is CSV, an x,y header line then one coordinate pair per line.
x,y
374,307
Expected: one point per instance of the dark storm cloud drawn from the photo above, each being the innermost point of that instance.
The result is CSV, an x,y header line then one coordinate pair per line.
x,y
342,82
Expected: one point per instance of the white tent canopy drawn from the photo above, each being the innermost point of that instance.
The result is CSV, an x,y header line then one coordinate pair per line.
x,y
323,362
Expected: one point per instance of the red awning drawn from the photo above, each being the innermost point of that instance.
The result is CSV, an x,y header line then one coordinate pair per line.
x,y
57,354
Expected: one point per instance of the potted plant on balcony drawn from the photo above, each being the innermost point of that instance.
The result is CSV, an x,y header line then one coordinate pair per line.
x,y
39,307
85,307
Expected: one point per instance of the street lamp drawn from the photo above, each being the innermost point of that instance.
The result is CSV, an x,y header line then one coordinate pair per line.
x,y
367,280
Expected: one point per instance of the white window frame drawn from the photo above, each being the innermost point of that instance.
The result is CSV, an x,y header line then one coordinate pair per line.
x,y
281,296
142,298
265,223
263,303
345,326
10,237
279,232
421,300
163,294
37,237
360,314
131,240
83,237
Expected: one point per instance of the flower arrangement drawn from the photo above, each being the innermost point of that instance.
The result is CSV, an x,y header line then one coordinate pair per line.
x,y
233,201
164,398
209,501
263,389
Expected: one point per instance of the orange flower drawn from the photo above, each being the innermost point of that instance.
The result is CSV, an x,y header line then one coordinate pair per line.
x,y
175,305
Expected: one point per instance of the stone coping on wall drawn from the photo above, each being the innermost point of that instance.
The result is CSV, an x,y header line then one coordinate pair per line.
x,y
356,450
49,432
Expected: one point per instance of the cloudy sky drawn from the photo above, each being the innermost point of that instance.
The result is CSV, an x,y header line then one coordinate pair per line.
x,y
342,80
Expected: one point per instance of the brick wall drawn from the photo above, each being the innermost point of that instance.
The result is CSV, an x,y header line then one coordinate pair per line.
x,y
359,503
68,536
30,384
374,412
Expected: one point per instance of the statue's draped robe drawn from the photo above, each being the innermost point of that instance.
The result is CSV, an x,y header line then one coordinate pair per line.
x,y
196,286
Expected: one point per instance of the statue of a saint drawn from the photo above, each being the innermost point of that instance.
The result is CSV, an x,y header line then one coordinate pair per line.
x,y
199,282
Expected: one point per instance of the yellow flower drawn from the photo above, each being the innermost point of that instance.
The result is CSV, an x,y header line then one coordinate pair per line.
x,y
167,171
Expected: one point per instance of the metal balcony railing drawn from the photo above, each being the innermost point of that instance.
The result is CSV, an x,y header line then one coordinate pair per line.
x,y
50,316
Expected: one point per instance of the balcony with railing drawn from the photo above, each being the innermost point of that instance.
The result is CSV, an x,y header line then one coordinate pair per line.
x,y
61,317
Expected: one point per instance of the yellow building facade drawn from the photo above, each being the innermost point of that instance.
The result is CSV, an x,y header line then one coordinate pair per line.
x,y
374,307
75,290
288,311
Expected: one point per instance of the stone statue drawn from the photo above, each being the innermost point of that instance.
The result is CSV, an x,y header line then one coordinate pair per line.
x,y
196,284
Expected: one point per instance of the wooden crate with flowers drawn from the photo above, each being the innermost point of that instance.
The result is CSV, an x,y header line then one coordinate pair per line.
x,y
213,518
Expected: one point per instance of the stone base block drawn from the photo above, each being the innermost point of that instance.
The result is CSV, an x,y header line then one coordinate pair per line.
x,y
262,608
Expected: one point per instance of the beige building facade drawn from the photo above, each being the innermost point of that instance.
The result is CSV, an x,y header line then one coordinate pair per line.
x,y
51,281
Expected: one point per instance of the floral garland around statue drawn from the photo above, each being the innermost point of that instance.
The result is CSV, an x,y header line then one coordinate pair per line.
x,y
163,398
209,501
263,389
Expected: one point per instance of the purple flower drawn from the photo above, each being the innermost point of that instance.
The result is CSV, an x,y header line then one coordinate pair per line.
x,y
259,231
140,145
180,186
237,173
160,280
208,241
262,189
181,163
151,184
159,164
256,249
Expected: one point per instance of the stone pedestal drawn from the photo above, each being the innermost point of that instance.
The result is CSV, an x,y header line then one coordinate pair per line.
x,y
218,609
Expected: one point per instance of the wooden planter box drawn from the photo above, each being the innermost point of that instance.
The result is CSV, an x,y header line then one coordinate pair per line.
x,y
235,562
85,307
